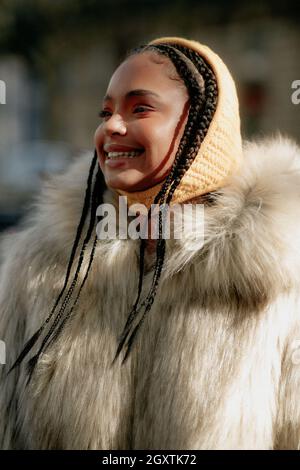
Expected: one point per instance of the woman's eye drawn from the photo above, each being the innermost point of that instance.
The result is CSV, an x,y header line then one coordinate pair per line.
x,y
104,114
141,109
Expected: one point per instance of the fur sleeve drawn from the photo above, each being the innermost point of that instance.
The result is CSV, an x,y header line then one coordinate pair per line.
x,y
287,433
30,258
13,312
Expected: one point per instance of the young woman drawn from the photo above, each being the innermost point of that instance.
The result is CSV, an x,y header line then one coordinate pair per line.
x,y
167,343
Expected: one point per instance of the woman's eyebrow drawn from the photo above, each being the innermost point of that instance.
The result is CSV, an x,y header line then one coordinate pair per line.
x,y
131,93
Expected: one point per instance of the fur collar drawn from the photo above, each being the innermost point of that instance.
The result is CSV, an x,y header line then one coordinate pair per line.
x,y
252,231
251,250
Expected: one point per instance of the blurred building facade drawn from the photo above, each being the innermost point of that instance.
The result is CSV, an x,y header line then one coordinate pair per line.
x,y
57,60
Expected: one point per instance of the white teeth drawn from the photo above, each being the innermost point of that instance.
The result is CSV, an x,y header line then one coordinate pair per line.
x,y
132,154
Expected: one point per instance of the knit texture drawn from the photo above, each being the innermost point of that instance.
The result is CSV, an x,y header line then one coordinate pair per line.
x,y
220,153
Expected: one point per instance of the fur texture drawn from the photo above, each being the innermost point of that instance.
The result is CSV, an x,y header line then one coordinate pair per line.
x,y
215,365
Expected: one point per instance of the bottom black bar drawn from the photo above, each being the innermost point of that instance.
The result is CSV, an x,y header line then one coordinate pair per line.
x,y
136,458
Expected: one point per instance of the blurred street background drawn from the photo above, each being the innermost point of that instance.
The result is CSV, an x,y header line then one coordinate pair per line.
x,y
56,57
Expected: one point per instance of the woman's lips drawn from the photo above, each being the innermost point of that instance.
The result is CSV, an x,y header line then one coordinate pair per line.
x,y
119,161
120,148
114,161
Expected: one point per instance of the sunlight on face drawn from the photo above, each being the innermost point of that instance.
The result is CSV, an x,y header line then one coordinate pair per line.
x,y
143,118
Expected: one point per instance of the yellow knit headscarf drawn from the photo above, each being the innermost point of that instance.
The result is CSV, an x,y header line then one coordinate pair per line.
x,y
220,153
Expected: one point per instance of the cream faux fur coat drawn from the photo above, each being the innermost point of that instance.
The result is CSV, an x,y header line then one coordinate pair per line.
x,y
216,364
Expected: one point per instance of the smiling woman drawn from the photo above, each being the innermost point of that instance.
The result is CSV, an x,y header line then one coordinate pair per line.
x,y
187,346
144,112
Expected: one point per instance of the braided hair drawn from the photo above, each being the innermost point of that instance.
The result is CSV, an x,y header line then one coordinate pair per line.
x,y
92,199
203,104
201,85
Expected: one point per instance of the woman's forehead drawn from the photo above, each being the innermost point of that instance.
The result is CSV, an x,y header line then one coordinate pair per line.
x,y
142,71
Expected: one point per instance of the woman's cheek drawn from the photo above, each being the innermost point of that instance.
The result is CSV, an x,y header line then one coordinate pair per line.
x,y
163,137
97,136
98,140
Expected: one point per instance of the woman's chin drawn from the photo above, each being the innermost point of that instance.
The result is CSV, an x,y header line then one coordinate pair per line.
x,y
124,184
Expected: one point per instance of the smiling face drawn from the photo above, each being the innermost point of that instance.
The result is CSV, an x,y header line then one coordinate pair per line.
x,y
143,118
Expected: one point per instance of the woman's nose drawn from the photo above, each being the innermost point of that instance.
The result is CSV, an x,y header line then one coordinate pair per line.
x,y
115,125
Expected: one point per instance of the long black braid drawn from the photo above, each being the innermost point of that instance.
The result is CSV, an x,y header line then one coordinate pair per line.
x,y
202,107
92,199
